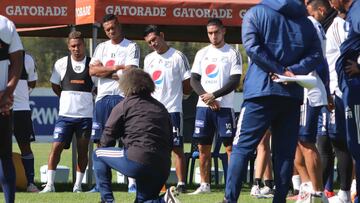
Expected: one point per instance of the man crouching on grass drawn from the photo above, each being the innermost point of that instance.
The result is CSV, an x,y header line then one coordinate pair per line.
x,y
143,125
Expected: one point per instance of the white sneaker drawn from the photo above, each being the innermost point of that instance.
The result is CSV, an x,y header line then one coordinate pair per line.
x,y
204,188
48,188
304,195
319,197
77,189
32,188
170,195
266,191
255,190
337,199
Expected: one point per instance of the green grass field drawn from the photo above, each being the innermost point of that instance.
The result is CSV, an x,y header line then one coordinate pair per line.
x,y
64,191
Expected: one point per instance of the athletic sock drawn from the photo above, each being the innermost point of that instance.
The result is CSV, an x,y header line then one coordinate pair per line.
x,y
258,182
269,183
296,181
344,195
79,178
131,181
50,177
28,162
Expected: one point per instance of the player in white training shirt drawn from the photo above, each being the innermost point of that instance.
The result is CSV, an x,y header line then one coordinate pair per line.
x,y
109,60
11,62
72,82
170,71
23,126
215,74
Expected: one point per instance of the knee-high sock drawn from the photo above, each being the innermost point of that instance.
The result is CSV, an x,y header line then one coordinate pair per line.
x,y
28,162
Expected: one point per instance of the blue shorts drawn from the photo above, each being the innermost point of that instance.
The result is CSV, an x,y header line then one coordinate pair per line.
x,y
209,122
102,111
309,117
176,119
65,127
23,127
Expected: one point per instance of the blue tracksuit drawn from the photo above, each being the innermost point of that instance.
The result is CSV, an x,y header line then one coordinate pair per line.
x,y
350,86
276,35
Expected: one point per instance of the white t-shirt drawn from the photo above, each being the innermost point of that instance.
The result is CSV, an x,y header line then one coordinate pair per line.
x,y
215,67
74,104
168,71
335,35
125,53
317,96
21,93
8,35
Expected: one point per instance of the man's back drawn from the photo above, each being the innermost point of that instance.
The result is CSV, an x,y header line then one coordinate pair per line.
x,y
277,35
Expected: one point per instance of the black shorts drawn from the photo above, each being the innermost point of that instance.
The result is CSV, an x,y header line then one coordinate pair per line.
x,y
5,136
23,127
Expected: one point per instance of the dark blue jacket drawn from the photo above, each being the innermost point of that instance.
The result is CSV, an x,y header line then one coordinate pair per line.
x,y
350,50
277,34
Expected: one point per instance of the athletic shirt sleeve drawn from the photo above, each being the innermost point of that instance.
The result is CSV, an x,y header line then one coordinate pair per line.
x,y
15,43
196,67
30,68
58,71
184,66
97,56
236,63
133,55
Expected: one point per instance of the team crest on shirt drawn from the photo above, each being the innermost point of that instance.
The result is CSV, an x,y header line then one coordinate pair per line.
x,y
212,71
157,77
77,68
110,63
167,64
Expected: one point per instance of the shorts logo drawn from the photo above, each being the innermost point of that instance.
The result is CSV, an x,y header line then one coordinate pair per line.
x,y
348,113
228,128
157,77
57,131
197,130
199,123
211,71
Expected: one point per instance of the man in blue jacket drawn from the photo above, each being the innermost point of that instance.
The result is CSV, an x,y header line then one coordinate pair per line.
x,y
348,70
279,39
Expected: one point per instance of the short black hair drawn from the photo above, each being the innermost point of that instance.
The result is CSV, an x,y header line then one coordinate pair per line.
x,y
152,28
109,17
317,3
215,21
75,35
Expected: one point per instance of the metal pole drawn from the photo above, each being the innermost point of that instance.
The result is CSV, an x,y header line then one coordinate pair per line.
x,y
89,173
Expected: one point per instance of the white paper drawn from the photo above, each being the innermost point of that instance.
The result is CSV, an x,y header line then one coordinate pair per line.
x,y
306,81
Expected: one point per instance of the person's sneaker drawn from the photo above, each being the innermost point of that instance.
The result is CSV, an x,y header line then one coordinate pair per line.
x,y
319,197
32,188
255,190
337,199
329,194
266,190
132,188
181,188
204,188
77,189
94,189
170,195
48,188
304,195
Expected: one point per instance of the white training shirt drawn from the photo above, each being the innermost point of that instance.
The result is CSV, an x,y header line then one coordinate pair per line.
x,y
74,104
216,65
168,71
317,96
125,53
9,35
335,35
21,93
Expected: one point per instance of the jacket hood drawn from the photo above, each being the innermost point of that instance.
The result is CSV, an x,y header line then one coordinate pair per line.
x,y
290,8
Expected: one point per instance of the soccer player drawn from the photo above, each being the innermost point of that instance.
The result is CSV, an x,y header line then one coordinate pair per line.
x,y
23,126
291,47
11,62
215,74
109,60
144,126
72,82
348,70
170,71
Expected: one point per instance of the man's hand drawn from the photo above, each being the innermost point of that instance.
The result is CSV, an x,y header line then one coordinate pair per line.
x,y
6,102
352,68
331,104
214,105
207,98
